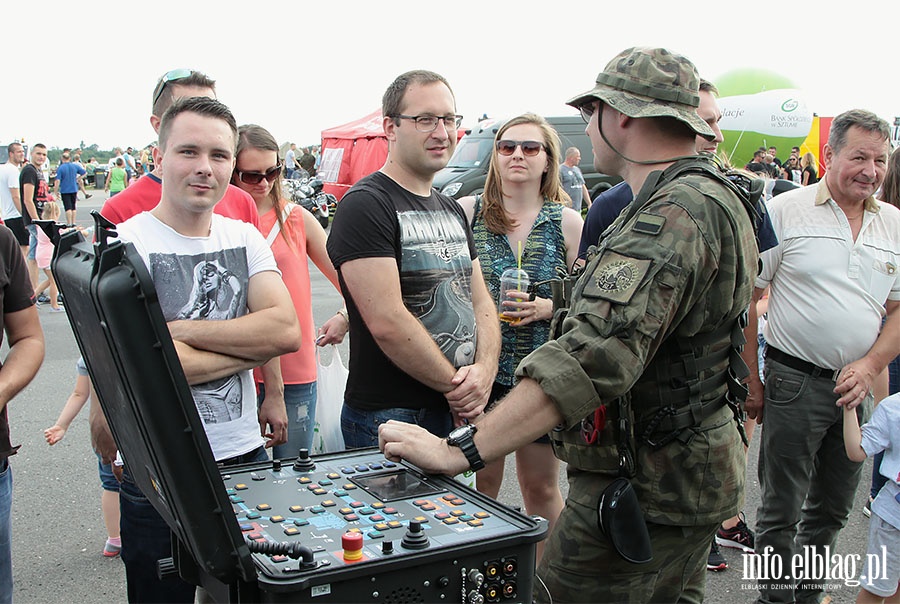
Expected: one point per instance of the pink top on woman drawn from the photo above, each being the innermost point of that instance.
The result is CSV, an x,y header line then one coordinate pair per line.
x,y
44,252
297,367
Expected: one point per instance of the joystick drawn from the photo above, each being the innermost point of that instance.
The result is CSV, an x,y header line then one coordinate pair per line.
x,y
304,462
415,537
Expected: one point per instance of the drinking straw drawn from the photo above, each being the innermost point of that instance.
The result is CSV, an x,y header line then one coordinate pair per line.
x,y
519,266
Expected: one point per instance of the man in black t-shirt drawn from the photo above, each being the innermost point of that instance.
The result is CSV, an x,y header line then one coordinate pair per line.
x,y
424,331
34,191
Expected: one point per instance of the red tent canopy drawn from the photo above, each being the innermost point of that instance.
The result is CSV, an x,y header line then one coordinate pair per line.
x,y
352,151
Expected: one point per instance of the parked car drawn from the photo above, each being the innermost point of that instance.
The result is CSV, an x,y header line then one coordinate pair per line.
x,y
467,169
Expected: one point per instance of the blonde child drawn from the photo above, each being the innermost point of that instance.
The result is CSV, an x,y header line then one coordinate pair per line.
x,y
881,433
109,500
43,255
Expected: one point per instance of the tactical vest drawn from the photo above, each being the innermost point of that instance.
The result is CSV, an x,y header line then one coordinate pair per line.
x,y
686,381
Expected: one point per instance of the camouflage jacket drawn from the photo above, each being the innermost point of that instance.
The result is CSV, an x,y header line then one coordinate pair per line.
x,y
676,264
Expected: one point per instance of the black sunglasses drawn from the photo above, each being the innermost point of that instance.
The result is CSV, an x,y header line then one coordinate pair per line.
x,y
254,178
170,76
587,110
529,148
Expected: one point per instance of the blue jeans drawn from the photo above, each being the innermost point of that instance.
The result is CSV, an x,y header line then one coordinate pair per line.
x,y
107,478
360,428
32,240
300,401
146,538
6,485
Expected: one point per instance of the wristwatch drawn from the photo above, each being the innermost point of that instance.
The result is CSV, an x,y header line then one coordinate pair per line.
x,y
462,437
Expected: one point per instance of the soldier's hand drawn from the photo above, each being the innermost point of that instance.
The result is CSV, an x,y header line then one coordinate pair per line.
x,y
398,440
755,399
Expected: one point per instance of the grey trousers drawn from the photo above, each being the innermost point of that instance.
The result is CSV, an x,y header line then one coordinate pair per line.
x,y
807,482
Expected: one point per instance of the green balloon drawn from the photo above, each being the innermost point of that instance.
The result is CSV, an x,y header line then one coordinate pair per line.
x,y
750,81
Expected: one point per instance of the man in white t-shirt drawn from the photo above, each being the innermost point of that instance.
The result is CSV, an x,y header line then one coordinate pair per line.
x,y
227,309
832,278
10,199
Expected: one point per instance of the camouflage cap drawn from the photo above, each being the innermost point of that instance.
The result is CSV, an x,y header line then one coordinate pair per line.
x,y
650,82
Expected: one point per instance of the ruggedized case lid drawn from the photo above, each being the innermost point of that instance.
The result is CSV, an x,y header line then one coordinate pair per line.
x,y
113,308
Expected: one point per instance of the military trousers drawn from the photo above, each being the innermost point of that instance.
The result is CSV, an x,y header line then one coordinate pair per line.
x,y
580,565
807,482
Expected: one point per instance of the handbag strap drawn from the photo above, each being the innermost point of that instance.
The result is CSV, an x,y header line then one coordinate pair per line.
x,y
276,228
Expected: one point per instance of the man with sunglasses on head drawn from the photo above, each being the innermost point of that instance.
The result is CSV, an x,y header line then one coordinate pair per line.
x,y
144,193
424,335
639,388
227,309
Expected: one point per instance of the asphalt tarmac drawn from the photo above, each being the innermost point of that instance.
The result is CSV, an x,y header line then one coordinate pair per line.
x,y
58,531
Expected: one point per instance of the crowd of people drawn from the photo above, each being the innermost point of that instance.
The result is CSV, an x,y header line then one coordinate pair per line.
x,y
651,338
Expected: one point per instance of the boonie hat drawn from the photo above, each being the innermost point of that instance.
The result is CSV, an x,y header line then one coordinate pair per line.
x,y
650,82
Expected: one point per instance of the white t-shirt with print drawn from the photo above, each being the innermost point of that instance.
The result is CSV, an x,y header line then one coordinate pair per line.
x,y
205,279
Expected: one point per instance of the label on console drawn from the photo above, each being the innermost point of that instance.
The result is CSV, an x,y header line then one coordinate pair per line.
x,y
320,590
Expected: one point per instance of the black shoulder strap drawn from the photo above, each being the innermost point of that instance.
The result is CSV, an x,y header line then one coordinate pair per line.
x,y
748,190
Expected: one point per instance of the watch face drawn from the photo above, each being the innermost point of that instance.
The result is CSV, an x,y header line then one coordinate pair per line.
x,y
460,432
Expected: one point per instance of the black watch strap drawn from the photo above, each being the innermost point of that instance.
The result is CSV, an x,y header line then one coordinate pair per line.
x,y
467,445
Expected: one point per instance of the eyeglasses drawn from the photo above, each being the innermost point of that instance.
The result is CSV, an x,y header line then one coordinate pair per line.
x,y
254,178
429,123
171,76
529,148
587,110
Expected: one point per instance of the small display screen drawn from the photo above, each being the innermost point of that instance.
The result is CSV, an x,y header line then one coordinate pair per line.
x,y
398,485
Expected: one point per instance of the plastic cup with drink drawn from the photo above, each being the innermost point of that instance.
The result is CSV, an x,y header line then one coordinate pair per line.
x,y
513,287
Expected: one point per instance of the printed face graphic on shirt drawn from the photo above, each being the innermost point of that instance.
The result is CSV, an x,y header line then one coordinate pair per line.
x,y
203,287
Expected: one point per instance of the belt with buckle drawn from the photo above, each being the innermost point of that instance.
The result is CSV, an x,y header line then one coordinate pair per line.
x,y
799,364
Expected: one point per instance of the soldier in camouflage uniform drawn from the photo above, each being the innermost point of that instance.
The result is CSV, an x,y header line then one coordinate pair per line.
x,y
640,380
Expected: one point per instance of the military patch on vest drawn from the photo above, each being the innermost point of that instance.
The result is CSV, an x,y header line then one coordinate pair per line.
x,y
648,224
616,277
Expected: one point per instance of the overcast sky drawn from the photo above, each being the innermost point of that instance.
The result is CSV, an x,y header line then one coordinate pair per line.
x,y
299,67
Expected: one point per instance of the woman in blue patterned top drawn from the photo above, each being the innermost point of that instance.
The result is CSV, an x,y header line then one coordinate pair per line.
x,y
523,207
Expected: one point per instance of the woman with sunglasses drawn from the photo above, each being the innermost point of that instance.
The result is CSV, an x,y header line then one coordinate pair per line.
x,y
524,210
294,235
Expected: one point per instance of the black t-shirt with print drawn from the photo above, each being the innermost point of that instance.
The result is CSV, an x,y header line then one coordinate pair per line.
x,y
31,175
429,239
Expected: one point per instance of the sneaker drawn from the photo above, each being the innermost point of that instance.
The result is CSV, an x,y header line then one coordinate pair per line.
x,y
739,536
716,561
867,509
110,550
87,195
58,309
43,299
